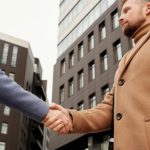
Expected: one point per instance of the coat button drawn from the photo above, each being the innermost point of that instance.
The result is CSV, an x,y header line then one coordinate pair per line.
x,y
121,82
119,116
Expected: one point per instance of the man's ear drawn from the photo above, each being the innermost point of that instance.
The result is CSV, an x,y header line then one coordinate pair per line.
x,y
148,8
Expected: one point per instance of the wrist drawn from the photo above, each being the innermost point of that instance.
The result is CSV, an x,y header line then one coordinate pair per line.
x,y
46,117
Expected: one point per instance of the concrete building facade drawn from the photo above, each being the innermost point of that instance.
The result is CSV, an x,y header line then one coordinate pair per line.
x,y
18,132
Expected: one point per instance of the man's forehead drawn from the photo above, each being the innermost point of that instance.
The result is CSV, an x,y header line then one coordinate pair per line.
x,y
122,2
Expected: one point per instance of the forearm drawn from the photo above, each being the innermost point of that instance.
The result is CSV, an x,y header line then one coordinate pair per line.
x,y
95,119
15,96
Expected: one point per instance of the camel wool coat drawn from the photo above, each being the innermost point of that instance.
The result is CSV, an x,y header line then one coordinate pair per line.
x,y
131,94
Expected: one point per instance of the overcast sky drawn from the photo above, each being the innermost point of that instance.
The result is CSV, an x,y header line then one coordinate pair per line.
x,y
35,21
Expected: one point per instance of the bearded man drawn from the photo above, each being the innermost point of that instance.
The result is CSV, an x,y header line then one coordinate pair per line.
x,y
130,95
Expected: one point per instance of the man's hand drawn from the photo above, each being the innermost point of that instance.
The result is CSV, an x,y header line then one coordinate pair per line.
x,y
58,119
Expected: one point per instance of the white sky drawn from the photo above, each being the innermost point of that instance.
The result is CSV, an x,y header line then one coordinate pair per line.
x,y
35,21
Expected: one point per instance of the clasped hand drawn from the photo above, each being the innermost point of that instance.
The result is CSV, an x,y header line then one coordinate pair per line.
x,y
58,119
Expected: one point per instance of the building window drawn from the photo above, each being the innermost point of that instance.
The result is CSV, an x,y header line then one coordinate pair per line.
x,y
117,50
4,128
92,70
12,76
62,67
71,59
104,61
133,43
104,90
14,56
72,14
62,93
5,53
2,145
92,99
80,51
105,142
91,41
115,19
80,79
96,12
6,111
102,31
81,106
71,87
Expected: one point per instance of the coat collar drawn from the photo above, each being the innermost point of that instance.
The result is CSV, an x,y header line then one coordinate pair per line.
x,y
140,38
141,32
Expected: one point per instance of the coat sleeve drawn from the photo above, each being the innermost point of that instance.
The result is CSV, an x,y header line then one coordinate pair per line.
x,y
13,95
94,119
100,118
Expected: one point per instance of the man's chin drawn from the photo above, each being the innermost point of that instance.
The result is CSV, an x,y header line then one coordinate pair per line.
x,y
128,32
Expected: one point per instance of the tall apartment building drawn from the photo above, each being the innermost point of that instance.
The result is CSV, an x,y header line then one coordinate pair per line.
x,y
90,45
18,132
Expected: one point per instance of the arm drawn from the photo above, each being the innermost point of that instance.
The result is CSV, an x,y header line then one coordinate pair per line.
x,y
86,121
99,118
94,119
15,96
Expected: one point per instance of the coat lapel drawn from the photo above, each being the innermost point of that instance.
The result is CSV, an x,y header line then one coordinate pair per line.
x,y
134,52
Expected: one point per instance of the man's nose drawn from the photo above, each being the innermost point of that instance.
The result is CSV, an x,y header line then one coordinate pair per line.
x,y
121,20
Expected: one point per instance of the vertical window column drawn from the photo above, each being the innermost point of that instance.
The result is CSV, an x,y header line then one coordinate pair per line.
x,y
6,111
62,67
104,90
62,93
80,79
4,128
2,145
14,56
117,50
71,59
71,87
80,51
92,70
5,53
92,99
102,31
81,106
91,41
104,61
115,19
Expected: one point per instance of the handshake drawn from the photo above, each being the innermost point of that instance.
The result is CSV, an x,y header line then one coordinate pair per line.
x,y
58,119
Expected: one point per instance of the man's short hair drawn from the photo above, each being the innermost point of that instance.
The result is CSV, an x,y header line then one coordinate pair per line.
x,y
121,2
